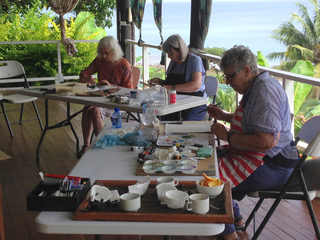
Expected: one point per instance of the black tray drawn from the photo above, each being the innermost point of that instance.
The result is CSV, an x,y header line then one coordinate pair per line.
x,y
53,203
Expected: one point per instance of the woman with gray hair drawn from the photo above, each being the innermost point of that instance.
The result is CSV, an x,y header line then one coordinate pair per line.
x,y
112,70
185,74
260,154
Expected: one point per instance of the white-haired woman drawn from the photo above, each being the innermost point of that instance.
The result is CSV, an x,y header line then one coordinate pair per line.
x,y
112,70
185,74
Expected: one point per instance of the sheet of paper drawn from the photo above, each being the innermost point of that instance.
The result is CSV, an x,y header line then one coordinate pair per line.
x,y
183,139
202,127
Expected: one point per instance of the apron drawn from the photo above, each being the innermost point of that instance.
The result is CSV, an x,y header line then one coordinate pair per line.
x,y
175,79
237,164
191,114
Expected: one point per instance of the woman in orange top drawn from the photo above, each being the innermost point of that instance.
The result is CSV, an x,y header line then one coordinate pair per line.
x,y
112,70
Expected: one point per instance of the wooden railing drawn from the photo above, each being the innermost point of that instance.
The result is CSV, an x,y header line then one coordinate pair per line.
x,y
286,78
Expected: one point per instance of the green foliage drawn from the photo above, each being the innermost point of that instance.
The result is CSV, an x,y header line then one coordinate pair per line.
x,y
38,59
156,73
301,90
102,9
301,35
35,23
215,51
227,96
262,61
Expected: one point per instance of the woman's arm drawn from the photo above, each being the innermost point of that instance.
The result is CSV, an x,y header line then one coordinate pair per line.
x,y
85,75
191,86
257,141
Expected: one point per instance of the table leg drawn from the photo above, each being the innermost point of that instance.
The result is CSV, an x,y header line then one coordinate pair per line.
x,y
66,122
44,130
71,126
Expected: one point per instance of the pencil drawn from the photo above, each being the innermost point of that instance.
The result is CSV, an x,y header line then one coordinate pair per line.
x,y
207,108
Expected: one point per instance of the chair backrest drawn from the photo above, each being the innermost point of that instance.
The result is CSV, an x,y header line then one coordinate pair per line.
x,y
136,74
212,87
10,69
309,129
310,133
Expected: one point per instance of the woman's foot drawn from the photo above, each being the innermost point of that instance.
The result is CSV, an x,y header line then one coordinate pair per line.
x,y
231,236
239,223
82,151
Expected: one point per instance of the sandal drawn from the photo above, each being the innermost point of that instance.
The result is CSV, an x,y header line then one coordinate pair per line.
x,y
239,227
82,151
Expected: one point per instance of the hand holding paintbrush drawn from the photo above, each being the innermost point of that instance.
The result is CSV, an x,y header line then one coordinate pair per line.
x,y
209,107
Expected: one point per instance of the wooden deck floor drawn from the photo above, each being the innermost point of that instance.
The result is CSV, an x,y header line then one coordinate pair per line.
x,y
20,174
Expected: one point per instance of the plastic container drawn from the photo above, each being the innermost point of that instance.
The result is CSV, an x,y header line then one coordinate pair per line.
x,y
172,96
116,118
134,97
149,113
157,94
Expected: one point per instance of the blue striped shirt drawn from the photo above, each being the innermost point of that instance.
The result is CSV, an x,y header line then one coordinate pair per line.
x,y
267,110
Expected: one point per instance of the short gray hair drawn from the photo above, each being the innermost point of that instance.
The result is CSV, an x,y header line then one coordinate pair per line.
x,y
238,57
175,41
111,43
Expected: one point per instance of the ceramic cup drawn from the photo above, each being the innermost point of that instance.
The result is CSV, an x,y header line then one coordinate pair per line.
x,y
199,203
130,202
170,180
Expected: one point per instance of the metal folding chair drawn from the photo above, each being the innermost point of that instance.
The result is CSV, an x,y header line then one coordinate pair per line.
x,y
212,88
310,134
9,70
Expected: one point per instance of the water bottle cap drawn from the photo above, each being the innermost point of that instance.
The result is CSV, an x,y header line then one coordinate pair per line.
x,y
116,109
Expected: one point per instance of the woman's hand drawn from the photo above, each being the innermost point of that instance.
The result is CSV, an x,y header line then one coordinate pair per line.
x,y
216,112
154,81
84,78
104,82
220,131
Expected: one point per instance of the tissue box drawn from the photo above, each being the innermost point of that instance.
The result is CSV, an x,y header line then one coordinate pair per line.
x,y
52,203
72,87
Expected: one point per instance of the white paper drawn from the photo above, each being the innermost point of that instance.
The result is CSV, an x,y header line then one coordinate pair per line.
x,y
204,126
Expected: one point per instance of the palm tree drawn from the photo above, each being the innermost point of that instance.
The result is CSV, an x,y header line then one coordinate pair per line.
x,y
301,35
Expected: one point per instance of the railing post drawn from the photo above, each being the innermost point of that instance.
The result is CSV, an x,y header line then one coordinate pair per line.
x,y
59,57
288,86
145,64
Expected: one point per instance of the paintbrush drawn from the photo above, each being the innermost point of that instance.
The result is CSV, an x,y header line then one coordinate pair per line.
x,y
207,108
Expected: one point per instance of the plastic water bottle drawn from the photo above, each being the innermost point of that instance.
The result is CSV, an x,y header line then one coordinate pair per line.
x,y
149,113
116,118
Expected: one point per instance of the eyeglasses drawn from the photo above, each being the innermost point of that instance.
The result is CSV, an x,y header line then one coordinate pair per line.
x,y
230,77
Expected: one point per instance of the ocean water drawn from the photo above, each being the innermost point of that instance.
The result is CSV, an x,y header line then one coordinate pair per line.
x,y
232,22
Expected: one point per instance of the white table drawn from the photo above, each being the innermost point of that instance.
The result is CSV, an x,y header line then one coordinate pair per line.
x,y
182,104
116,163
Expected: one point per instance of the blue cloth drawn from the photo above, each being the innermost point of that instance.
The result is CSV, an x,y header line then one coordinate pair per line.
x,y
134,139
267,110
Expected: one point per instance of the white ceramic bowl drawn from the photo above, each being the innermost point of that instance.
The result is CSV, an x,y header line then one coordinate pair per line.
x,y
175,199
210,191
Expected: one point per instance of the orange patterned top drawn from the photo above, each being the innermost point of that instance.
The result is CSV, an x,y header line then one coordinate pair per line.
x,y
118,74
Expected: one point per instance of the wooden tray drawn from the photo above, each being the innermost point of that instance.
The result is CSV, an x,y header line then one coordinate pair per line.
x,y
152,210
204,165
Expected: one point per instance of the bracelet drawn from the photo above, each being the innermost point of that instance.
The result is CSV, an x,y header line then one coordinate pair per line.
x,y
229,136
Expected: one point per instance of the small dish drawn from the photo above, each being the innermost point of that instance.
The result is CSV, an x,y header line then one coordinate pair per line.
x,y
169,169
149,169
187,169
